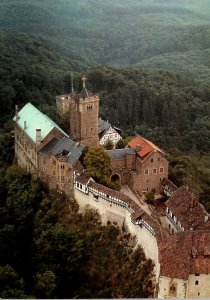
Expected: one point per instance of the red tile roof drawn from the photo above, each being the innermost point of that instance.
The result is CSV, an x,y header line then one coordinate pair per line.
x,y
143,147
83,179
188,210
185,253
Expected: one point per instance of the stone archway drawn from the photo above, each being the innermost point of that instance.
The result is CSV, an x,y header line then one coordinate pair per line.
x,y
116,177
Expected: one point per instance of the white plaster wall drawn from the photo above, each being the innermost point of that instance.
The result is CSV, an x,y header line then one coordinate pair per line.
x,y
111,135
164,284
202,290
114,213
108,211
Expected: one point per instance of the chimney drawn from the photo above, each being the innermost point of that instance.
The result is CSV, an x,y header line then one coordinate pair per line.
x,y
138,147
25,125
16,113
38,136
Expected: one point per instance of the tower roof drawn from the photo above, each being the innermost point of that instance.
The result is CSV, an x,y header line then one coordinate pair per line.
x,y
84,93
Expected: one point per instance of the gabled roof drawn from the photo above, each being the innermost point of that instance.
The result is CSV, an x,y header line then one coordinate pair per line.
x,y
103,126
188,210
143,147
35,119
185,253
64,147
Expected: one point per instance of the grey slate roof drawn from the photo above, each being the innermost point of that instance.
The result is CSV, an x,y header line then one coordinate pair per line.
x,y
120,153
47,149
103,126
84,93
65,146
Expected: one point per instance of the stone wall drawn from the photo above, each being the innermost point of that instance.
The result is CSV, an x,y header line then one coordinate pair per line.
x,y
150,173
84,119
25,151
122,216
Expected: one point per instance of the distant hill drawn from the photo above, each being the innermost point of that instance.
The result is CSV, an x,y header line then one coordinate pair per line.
x,y
31,70
172,35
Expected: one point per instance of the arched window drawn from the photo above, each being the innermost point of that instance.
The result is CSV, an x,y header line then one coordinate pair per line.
x,y
89,107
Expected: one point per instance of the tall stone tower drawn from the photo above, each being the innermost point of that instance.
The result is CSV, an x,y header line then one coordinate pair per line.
x,y
83,111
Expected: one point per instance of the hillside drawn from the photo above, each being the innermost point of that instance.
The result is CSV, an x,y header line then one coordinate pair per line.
x,y
31,70
171,35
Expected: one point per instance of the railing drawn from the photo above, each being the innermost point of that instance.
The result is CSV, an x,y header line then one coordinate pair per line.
x,y
123,204
171,219
143,223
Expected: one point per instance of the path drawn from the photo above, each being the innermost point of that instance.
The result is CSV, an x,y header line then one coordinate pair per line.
x,y
127,191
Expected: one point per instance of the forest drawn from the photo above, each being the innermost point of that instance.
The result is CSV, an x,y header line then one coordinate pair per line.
x,y
149,61
160,34
49,250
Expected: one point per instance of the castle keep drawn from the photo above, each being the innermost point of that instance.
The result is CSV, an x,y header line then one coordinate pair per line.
x,y
176,238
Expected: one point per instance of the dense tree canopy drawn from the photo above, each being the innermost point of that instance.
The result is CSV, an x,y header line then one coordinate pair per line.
x,y
49,250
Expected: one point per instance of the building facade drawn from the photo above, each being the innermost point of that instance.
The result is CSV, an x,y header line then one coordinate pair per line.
x,y
44,149
107,132
141,165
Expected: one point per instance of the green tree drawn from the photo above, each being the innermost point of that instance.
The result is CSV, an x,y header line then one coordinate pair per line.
x,y
98,164
149,197
45,284
12,286
109,145
120,144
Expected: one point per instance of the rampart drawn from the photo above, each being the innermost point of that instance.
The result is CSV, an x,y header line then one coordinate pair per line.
x,y
116,207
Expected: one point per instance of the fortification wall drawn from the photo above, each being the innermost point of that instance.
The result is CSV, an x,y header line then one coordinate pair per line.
x,y
116,213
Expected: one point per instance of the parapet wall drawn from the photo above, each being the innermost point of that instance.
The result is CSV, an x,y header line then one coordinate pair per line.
x,y
113,211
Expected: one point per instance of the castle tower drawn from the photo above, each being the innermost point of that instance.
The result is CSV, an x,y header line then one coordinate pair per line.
x,y
84,111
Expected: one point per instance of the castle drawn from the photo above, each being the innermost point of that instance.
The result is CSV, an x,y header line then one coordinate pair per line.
x,y
176,237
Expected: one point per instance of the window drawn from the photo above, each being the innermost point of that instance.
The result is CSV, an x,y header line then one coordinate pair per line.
x,y
91,129
152,160
172,290
158,158
89,107
197,274
62,178
154,171
62,167
197,282
146,172
198,294
161,170
80,186
77,184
